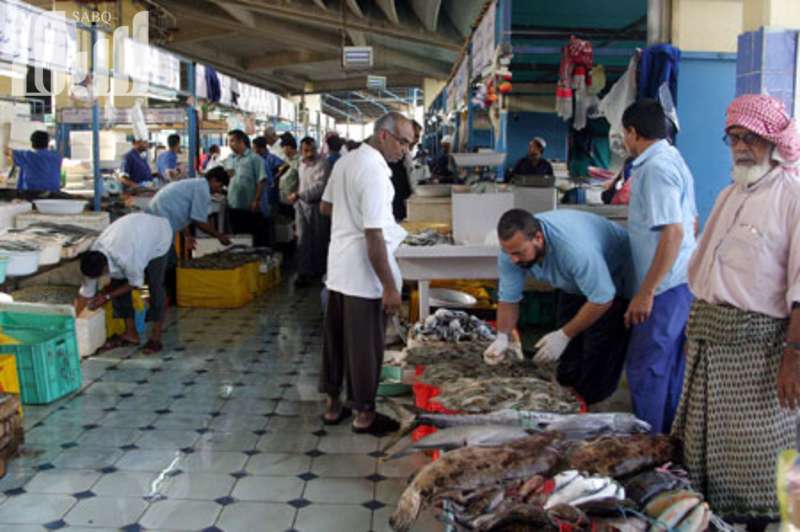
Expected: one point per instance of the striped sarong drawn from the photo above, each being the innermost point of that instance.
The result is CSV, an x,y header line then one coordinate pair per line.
x,y
729,419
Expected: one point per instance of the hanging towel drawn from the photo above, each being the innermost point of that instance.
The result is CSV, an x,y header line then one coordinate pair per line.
x,y
212,85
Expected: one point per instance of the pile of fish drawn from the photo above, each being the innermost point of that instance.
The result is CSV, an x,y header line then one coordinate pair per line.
x,y
503,426
52,294
452,326
481,395
428,237
537,482
229,259
71,234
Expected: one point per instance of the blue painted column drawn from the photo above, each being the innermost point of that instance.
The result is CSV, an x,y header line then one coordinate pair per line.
x,y
191,117
767,64
98,180
502,35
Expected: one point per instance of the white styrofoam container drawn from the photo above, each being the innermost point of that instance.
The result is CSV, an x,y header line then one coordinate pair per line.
x,y
21,262
59,206
471,229
96,221
10,210
90,330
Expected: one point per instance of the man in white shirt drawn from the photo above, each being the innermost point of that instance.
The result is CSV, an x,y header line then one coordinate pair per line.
x,y
130,250
363,276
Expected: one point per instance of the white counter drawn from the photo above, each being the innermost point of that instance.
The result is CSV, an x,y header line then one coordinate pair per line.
x,y
426,263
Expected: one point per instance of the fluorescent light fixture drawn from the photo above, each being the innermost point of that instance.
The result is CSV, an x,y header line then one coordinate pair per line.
x,y
161,94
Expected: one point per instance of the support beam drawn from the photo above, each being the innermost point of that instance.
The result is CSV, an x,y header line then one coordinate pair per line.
x,y
242,15
428,12
390,10
360,83
200,35
287,58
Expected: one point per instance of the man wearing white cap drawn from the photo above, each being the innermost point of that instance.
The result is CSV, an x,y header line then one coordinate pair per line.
x,y
442,169
533,163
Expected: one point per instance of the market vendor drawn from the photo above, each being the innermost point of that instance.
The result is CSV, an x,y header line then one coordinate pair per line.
x,y
742,386
442,169
661,225
167,161
135,169
587,259
187,201
40,167
534,163
131,250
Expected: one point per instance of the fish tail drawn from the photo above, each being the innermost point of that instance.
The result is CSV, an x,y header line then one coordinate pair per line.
x,y
407,511
408,422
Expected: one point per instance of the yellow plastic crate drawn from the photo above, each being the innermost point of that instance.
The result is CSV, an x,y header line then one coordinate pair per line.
x,y
214,288
116,326
9,379
252,273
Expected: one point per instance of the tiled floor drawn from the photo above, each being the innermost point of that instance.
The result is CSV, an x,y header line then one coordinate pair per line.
x,y
220,432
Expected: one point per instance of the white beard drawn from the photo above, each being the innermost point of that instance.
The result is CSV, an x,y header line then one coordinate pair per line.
x,y
747,175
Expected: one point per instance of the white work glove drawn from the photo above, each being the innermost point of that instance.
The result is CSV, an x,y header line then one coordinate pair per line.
x,y
495,353
551,346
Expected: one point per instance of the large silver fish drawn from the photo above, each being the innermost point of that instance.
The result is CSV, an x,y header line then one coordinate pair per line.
x,y
465,436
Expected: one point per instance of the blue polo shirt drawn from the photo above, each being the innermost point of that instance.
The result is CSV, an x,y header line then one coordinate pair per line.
x,y
585,254
662,193
39,169
136,167
167,160
182,202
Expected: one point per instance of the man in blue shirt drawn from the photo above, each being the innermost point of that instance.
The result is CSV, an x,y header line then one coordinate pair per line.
x,y
39,168
167,161
267,192
135,168
587,259
661,223
187,201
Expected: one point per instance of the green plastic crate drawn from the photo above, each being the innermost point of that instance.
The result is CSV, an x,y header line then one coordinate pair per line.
x,y
392,389
48,362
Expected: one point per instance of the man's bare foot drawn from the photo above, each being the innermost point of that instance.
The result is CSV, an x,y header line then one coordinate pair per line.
x,y
333,409
363,419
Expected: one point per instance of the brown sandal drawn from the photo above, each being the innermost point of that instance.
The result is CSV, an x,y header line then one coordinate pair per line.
x,y
152,347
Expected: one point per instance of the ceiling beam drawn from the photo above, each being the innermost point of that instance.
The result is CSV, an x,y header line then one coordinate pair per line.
x,y
390,10
241,14
428,12
186,37
287,58
298,15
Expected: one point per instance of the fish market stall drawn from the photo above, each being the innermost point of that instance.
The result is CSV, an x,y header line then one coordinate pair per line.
x,y
444,262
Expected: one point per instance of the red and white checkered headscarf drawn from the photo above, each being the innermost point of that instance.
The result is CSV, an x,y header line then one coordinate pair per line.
x,y
767,117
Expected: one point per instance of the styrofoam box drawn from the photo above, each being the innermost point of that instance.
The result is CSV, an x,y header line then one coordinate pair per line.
x,y
209,245
97,221
90,329
10,210
471,229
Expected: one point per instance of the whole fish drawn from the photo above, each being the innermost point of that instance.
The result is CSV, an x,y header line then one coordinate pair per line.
x,y
473,467
620,456
577,488
644,486
466,436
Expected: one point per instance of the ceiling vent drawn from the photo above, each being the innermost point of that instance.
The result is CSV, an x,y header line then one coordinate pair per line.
x,y
357,57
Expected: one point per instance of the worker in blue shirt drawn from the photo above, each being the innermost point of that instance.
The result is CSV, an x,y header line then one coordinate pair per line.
x,y
267,193
39,168
186,201
167,161
661,223
587,259
135,169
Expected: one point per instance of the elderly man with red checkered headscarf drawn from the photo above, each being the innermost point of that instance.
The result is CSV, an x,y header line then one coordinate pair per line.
x,y
742,381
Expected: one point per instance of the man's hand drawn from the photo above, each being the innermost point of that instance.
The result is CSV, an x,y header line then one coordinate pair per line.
x,y
551,346
190,241
639,310
789,379
254,206
224,240
391,301
496,352
98,301
292,198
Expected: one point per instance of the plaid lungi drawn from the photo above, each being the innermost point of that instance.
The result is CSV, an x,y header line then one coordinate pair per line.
x,y
729,419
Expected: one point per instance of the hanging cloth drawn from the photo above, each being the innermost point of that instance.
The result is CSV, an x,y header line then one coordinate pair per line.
x,y
212,85
659,64
575,77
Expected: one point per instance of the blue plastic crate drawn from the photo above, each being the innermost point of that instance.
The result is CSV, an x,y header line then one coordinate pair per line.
x,y
48,364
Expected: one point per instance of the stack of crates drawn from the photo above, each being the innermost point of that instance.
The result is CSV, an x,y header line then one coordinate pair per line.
x,y
46,355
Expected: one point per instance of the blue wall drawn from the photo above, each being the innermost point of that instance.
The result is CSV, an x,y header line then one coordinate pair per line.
x,y
522,127
706,86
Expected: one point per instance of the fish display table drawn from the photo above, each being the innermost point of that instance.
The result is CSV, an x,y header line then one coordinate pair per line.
x,y
444,262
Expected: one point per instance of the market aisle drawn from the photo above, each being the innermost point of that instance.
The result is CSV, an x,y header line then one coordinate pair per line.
x,y
221,432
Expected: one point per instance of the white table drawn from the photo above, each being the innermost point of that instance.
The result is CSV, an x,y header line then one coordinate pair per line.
x,y
426,263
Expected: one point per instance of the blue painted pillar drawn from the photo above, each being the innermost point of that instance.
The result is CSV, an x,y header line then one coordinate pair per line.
x,y
501,143
191,125
98,180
